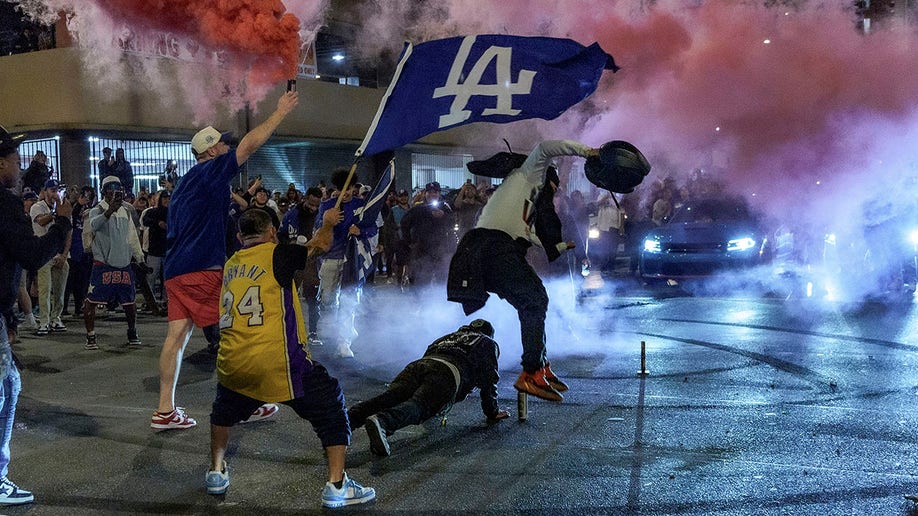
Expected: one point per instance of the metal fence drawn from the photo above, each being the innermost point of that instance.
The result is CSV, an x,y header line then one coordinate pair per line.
x,y
148,159
51,148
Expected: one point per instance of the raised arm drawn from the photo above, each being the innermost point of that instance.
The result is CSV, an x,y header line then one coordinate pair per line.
x,y
258,136
541,156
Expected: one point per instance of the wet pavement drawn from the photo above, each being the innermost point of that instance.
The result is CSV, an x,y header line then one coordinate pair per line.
x,y
754,404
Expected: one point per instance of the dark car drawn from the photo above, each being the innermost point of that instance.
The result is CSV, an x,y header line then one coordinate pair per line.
x,y
703,238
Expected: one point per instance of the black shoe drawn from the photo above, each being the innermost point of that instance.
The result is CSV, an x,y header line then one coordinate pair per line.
x,y
133,339
379,445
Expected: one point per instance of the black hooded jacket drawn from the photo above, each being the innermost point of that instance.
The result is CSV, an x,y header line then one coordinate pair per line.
x,y
475,355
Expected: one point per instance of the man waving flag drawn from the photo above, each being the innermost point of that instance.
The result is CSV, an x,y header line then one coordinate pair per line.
x,y
450,82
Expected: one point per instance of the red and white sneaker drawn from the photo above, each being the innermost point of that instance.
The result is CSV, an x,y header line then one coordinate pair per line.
x,y
175,420
263,412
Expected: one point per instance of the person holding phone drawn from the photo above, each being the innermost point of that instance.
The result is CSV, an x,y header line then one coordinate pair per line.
x,y
21,250
52,277
114,243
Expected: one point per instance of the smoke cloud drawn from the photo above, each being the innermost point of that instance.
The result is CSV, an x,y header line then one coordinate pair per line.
x,y
241,48
786,103
789,104
771,99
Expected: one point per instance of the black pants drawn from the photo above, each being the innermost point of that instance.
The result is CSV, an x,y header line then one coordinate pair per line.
x,y
421,390
506,273
77,283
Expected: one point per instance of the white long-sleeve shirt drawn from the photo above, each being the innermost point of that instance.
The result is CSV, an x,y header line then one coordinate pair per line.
x,y
510,206
114,239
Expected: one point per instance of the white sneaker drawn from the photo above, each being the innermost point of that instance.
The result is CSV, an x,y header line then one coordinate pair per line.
x,y
29,323
344,350
263,412
11,494
351,493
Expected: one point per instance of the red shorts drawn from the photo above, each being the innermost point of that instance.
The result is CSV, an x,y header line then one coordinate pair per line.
x,y
195,296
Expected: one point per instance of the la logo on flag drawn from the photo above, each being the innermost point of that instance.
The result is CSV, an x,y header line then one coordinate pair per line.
x,y
450,82
502,89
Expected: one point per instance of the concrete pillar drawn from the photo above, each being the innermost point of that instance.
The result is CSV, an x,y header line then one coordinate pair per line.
x,y
74,160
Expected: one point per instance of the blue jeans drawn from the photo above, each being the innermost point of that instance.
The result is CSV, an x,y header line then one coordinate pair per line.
x,y
10,385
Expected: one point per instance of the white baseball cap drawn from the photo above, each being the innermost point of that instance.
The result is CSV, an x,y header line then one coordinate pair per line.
x,y
110,179
207,138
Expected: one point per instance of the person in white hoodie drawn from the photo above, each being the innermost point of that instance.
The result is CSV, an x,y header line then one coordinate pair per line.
x,y
492,258
114,244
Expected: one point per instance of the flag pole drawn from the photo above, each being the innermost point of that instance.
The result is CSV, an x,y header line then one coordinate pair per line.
x,y
323,237
347,182
321,240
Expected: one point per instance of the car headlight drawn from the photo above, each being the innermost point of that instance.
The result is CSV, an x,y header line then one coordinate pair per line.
x,y
594,233
740,244
652,246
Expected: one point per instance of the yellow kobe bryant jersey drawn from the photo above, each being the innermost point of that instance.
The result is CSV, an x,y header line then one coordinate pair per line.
x,y
262,336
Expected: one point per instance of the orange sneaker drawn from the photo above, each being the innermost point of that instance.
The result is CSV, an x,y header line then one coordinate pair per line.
x,y
536,384
553,379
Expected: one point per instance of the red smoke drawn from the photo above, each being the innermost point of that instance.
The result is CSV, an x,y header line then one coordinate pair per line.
x,y
257,33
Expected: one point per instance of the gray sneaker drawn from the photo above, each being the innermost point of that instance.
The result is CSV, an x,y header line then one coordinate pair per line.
x,y
217,482
379,445
351,493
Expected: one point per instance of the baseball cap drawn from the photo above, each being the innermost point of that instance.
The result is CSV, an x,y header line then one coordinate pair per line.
x,y
433,185
52,183
109,180
207,138
29,195
9,142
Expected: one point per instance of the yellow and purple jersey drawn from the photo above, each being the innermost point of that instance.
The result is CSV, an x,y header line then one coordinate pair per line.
x,y
263,352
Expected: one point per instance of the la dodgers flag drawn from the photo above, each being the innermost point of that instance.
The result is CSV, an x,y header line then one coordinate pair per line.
x,y
450,82
370,211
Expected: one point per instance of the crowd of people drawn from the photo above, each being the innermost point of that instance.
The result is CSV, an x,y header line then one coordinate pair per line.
x,y
240,263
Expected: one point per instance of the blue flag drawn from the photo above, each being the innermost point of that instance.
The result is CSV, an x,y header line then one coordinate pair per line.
x,y
369,212
450,82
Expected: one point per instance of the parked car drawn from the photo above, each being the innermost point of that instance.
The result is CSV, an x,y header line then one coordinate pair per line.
x,y
871,262
703,238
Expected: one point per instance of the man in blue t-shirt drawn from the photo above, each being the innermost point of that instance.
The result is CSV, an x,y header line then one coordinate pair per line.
x,y
331,271
196,250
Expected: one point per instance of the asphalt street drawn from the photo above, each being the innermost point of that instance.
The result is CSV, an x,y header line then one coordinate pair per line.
x,y
754,404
